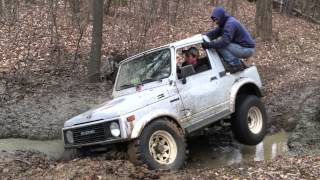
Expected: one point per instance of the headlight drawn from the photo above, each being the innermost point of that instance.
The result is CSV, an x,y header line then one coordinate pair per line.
x,y
115,129
69,136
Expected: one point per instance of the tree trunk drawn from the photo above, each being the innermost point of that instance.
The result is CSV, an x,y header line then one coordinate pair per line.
x,y
107,7
288,6
95,54
164,7
175,14
2,7
264,19
234,7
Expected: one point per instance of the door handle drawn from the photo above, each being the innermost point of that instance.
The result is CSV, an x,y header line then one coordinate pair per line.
x,y
213,78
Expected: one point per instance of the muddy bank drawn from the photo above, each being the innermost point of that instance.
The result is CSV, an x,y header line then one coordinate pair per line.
x,y
284,107
52,148
40,113
306,135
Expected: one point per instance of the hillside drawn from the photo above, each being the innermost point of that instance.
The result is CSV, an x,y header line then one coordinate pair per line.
x,y
38,80
43,83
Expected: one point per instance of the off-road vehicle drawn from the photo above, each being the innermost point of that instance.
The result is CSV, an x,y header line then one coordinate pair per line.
x,y
154,108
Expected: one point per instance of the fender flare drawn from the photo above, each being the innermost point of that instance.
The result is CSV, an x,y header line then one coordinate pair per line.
x,y
237,86
141,123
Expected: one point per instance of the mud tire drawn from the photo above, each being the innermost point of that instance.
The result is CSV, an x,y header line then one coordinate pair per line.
x,y
139,150
249,120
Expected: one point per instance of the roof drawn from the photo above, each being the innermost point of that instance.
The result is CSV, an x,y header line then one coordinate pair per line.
x,y
192,40
198,38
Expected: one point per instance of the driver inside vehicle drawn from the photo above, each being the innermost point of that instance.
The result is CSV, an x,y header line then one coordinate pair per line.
x,y
191,57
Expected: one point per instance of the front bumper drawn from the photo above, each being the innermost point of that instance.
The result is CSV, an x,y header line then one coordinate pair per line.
x,y
72,146
93,133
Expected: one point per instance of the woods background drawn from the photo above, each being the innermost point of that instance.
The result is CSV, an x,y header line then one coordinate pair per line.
x,y
55,36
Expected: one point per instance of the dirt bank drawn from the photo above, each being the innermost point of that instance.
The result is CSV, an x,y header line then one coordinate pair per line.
x,y
306,135
38,111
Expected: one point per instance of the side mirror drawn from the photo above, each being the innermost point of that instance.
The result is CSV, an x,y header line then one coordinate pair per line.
x,y
186,71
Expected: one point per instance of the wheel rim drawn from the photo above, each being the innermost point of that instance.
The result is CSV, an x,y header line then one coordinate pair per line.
x,y
163,147
255,120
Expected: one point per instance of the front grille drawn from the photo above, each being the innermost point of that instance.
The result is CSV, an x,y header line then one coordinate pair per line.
x,y
91,133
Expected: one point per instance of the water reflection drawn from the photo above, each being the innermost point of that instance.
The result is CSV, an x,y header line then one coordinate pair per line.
x,y
204,155
259,156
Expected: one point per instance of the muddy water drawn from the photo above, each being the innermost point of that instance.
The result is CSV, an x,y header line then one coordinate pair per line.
x,y
203,155
53,148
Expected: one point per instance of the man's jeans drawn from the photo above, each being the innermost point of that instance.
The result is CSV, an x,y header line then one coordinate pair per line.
x,y
233,52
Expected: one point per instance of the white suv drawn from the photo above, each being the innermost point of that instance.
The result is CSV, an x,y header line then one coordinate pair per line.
x,y
153,110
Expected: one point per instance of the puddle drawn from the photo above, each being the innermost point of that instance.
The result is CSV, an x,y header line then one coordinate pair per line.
x,y
53,148
202,155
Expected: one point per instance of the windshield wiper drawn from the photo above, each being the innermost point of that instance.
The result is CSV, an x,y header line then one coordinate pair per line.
x,y
126,86
147,81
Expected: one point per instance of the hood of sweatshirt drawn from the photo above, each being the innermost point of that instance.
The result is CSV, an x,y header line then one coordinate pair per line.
x,y
220,15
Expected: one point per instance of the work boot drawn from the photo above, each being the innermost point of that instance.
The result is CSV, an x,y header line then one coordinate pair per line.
x,y
234,69
243,64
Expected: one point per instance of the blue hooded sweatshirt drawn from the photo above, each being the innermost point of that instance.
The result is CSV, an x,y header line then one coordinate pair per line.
x,y
230,30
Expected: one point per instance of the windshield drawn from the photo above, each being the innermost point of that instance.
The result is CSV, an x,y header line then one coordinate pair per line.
x,y
144,69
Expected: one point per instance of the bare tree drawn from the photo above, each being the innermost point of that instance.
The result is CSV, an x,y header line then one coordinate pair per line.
x,y
2,6
81,24
164,7
107,6
234,7
264,19
57,53
9,10
96,43
288,6
175,12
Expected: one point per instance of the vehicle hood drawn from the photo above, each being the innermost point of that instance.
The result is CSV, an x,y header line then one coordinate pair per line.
x,y
119,106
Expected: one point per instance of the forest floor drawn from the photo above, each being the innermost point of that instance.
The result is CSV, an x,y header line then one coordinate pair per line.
x,y
27,165
35,105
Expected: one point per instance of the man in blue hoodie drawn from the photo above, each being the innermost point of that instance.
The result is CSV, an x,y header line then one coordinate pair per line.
x,y
231,39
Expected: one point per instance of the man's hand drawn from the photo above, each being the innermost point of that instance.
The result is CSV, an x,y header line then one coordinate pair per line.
x,y
206,45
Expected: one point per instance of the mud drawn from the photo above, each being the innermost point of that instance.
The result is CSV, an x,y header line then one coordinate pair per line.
x,y
32,165
209,152
204,151
41,114
209,157
306,135
52,148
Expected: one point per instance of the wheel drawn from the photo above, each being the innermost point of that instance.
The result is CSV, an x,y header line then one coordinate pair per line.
x,y
161,145
249,120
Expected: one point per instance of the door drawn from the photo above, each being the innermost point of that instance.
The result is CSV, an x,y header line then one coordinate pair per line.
x,y
201,95
198,93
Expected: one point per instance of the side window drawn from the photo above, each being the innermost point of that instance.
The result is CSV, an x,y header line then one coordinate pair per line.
x,y
194,56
